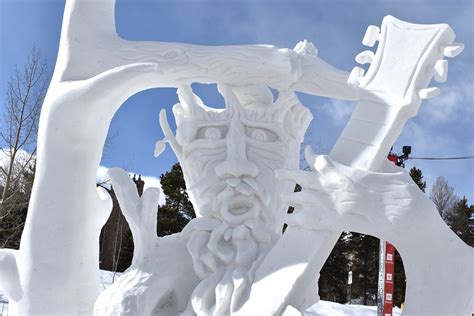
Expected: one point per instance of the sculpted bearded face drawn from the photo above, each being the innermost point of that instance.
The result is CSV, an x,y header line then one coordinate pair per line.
x,y
229,155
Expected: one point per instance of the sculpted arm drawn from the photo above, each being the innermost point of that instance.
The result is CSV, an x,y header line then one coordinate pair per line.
x,y
390,206
407,57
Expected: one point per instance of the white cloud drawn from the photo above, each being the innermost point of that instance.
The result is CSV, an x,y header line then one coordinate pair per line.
x,y
432,135
338,110
453,104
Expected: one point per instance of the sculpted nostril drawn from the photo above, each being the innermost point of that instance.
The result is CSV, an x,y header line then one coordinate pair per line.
x,y
236,168
233,182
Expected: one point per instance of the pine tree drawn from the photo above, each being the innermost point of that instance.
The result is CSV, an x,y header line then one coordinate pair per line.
x,y
417,176
333,275
458,219
365,266
399,280
178,210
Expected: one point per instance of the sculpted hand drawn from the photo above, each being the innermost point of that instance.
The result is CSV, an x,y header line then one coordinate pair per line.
x,y
326,195
140,212
337,197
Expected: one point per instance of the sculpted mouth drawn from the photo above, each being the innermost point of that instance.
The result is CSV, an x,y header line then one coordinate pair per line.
x,y
238,208
240,204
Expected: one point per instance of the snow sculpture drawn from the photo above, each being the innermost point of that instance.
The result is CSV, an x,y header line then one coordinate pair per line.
x,y
389,95
228,157
96,71
229,261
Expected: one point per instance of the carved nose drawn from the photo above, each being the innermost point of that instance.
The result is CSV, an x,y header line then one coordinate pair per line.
x,y
236,164
236,167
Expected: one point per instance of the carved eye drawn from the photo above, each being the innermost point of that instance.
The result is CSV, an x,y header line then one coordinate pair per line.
x,y
262,135
215,132
212,133
209,132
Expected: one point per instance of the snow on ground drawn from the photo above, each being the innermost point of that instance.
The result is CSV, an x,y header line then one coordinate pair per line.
x,y
3,304
323,308
106,279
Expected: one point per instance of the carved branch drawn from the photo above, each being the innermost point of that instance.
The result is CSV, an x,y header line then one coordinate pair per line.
x,y
94,47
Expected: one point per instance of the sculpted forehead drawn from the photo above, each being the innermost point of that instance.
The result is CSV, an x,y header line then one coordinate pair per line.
x,y
286,116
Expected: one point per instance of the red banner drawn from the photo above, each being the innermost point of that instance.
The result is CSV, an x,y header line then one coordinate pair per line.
x,y
389,277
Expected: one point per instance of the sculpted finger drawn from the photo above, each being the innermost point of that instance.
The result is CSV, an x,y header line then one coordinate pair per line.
x,y
306,179
330,173
322,163
105,205
169,136
300,220
311,197
125,190
316,219
306,198
150,199
309,156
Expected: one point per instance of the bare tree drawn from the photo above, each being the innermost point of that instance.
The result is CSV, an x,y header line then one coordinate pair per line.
x,y
24,97
443,196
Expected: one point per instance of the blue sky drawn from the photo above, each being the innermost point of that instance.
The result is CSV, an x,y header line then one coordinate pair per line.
x,y
443,127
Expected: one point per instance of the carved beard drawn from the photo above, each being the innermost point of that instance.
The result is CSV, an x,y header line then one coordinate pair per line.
x,y
225,259
228,244
227,248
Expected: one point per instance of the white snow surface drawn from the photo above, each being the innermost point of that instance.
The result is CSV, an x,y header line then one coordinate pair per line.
x,y
323,308
356,190
21,158
150,181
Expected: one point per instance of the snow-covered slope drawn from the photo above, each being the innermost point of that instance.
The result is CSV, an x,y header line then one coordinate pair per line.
x,y
323,308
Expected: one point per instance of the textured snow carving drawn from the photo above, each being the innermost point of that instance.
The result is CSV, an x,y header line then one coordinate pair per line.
x,y
140,212
240,164
389,206
228,158
390,94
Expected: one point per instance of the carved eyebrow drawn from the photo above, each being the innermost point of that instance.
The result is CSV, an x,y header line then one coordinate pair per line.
x,y
277,128
214,123
212,114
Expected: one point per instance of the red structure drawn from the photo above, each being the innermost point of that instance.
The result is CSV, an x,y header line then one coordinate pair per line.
x,y
389,273
393,158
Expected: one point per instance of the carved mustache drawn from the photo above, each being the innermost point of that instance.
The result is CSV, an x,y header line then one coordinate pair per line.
x,y
228,187
245,186
203,186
